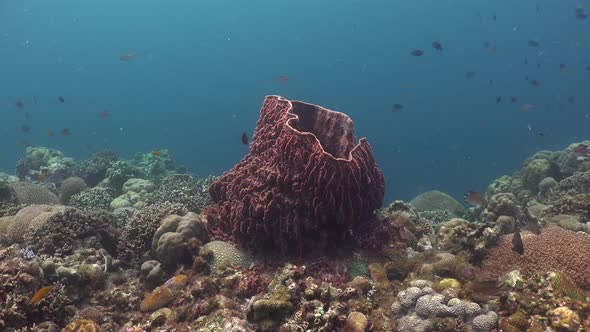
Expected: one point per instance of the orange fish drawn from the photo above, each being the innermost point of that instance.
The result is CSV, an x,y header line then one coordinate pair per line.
x,y
156,153
473,198
41,294
581,150
50,133
284,78
127,57
103,114
527,107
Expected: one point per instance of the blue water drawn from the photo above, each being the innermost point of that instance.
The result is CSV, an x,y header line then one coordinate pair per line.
x,y
202,69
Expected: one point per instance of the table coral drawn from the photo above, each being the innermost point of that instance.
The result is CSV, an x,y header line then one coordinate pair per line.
x,y
304,181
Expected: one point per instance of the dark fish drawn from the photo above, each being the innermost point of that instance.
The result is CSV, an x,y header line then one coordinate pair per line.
x,y
562,66
526,61
61,99
470,74
538,66
494,17
581,14
27,116
103,114
26,128
65,132
580,150
245,138
397,107
517,245
19,104
498,100
527,107
437,46
50,133
571,99
587,68
473,198
486,44
535,83
526,78
534,43
513,99
284,78
490,82
417,53
127,57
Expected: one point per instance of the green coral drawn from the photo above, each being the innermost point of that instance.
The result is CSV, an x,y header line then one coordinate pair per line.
x,y
155,166
437,200
135,194
120,172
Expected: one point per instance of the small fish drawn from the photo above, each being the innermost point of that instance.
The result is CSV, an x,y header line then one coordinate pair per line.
x,y
41,294
562,66
587,68
470,74
50,133
27,116
580,150
527,107
42,175
490,82
517,245
156,153
61,99
494,17
571,99
127,57
498,100
513,99
534,43
417,53
437,46
397,107
535,83
19,104
538,66
103,114
284,78
245,138
526,61
26,128
65,132
486,44
473,198
581,14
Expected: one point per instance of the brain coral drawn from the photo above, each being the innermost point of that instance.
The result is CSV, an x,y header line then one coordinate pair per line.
x,y
437,200
555,249
70,187
224,254
30,219
30,193
305,181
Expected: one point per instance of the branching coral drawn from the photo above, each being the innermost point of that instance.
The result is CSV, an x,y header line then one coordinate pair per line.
x,y
183,189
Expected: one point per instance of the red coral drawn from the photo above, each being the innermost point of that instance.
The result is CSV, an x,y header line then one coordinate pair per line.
x,y
555,249
303,182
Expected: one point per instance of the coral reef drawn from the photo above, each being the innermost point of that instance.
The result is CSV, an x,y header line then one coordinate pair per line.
x,y
70,187
136,239
31,193
183,189
97,198
555,249
174,238
304,181
437,200
94,169
134,194
44,164
420,308
222,254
